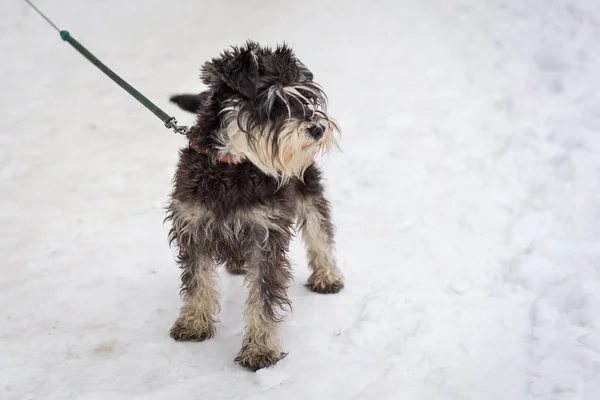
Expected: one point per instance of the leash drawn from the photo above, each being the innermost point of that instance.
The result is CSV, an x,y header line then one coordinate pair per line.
x,y
170,122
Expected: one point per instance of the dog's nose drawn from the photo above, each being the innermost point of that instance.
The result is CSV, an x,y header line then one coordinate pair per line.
x,y
316,132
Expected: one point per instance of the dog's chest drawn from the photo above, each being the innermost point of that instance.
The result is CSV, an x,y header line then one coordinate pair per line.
x,y
228,209
223,188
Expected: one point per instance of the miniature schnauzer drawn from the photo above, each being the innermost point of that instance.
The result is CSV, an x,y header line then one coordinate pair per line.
x,y
246,180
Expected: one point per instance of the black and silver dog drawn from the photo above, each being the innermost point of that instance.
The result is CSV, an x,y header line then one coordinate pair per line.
x,y
245,181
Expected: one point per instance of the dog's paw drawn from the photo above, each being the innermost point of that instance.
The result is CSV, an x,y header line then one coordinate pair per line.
x,y
255,360
326,284
194,333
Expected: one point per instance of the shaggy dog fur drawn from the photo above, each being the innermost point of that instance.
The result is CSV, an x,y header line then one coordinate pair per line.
x,y
242,186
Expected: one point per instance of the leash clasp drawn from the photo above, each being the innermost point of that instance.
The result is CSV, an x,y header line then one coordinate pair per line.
x,y
171,123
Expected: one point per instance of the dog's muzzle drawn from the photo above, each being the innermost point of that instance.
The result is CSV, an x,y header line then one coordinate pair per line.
x,y
316,131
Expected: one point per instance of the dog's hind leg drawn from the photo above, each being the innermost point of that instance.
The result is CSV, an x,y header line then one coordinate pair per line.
x,y
268,278
317,230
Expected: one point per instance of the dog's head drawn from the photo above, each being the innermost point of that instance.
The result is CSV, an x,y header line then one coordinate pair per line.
x,y
262,105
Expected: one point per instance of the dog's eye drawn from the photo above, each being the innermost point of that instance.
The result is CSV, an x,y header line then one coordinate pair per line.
x,y
278,106
261,70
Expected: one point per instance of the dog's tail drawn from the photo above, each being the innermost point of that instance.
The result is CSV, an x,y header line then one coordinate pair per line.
x,y
190,102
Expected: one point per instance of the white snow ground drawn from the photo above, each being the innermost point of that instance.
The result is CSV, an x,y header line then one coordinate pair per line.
x,y
466,200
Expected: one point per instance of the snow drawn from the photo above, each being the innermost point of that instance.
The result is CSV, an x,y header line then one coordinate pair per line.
x,y
466,200
268,378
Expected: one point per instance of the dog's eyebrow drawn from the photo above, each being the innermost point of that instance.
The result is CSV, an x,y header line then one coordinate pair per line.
x,y
316,92
295,94
285,101
301,105
291,90
270,98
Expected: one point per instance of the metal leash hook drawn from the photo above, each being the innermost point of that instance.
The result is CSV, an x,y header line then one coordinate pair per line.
x,y
172,124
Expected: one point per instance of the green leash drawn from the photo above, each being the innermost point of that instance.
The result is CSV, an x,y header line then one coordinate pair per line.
x,y
170,122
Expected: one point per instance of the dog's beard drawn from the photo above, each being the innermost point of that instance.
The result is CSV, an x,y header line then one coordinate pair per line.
x,y
283,154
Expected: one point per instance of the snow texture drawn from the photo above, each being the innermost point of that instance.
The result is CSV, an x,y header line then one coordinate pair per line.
x,y
466,200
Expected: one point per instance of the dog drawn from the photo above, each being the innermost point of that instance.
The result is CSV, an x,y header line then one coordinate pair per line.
x,y
243,186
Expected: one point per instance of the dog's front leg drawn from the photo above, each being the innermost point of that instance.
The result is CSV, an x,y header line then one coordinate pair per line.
x,y
198,314
268,276
317,230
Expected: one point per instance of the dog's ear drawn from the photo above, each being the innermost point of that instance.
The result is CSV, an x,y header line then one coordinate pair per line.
x,y
190,102
242,75
304,72
237,69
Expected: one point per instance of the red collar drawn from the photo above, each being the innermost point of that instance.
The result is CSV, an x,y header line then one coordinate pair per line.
x,y
225,159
